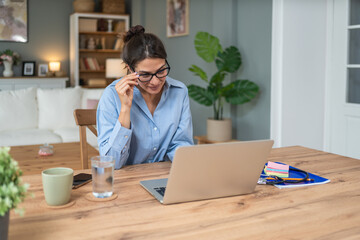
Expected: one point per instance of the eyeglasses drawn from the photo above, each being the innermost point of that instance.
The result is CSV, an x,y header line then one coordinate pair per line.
x,y
146,77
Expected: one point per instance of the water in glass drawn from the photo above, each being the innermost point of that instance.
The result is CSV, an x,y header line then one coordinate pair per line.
x,y
102,178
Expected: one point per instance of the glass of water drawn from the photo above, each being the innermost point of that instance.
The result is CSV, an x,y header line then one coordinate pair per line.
x,y
102,176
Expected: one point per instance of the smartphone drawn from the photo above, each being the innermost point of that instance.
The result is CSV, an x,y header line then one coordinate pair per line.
x,y
81,179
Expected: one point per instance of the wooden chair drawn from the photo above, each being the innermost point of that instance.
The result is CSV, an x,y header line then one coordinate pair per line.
x,y
85,118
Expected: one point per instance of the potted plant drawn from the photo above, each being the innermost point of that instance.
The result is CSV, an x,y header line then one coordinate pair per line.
x,y
9,58
236,92
12,191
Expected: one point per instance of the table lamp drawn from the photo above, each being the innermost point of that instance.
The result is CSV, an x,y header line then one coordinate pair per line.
x,y
54,68
115,68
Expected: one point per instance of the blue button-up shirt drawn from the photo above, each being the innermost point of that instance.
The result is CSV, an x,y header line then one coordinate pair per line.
x,y
151,138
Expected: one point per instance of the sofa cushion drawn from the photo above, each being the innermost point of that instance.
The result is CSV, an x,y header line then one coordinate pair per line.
x,y
28,137
72,135
56,107
18,109
90,98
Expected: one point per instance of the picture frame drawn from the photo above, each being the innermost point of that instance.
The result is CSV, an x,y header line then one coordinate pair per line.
x,y
177,18
14,27
28,68
43,70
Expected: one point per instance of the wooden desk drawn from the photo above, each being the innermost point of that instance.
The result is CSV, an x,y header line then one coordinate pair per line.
x,y
329,211
65,155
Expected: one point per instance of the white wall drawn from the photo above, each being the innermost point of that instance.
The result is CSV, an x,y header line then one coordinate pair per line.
x,y
298,72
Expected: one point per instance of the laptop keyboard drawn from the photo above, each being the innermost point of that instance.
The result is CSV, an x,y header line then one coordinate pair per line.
x,y
160,190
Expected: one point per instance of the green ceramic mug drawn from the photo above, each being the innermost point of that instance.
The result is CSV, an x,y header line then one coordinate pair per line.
x,y
57,185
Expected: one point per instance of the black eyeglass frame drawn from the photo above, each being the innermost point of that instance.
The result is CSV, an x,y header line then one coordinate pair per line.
x,y
155,74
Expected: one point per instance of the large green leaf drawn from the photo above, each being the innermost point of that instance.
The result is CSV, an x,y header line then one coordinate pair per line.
x,y
200,95
217,78
198,72
229,60
243,91
207,46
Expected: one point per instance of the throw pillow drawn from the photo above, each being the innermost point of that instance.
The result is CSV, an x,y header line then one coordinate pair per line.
x,y
18,109
89,95
56,107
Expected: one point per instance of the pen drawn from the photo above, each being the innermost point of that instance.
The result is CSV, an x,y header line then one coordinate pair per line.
x,y
291,179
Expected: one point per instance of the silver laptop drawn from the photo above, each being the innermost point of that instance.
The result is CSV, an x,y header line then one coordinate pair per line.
x,y
211,171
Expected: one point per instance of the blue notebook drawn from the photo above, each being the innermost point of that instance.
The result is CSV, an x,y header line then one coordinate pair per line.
x,y
293,174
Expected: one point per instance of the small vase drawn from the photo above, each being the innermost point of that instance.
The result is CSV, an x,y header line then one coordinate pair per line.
x,y
8,72
4,226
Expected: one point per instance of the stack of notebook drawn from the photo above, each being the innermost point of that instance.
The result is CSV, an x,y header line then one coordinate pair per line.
x,y
276,169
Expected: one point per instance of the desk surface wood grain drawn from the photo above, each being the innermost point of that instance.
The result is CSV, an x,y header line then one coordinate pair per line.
x,y
329,211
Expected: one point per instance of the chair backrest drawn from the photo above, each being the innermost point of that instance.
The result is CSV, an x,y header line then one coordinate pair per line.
x,y
85,118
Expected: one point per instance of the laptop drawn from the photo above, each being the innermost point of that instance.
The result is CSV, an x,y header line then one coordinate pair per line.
x,y
208,171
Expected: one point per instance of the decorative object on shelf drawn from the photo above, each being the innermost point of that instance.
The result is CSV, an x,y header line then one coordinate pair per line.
x,y
55,69
102,25
28,68
177,18
9,58
12,191
43,70
115,68
84,6
91,44
113,6
109,28
236,92
14,18
103,43
87,25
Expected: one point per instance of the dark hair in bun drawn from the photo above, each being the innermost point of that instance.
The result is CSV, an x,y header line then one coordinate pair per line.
x,y
138,29
139,45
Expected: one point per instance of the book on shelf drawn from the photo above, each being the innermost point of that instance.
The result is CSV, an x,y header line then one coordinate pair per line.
x,y
118,45
82,64
89,63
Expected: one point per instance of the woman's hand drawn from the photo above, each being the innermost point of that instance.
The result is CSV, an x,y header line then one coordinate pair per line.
x,y
125,90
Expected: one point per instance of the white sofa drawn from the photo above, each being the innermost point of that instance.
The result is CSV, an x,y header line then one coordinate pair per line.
x,y
38,116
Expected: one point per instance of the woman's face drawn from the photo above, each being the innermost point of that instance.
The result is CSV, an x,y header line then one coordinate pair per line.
x,y
150,66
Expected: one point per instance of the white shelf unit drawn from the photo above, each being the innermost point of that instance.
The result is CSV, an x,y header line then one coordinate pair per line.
x,y
76,53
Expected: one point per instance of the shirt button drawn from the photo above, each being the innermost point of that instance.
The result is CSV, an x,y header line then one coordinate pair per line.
x,y
155,128
126,136
154,149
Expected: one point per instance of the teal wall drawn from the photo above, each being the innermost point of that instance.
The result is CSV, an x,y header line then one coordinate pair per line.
x,y
243,23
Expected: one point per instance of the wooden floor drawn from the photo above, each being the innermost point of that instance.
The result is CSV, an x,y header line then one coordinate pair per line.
x,y
65,155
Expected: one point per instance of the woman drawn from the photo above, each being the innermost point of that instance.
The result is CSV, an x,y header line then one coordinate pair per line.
x,y
144,116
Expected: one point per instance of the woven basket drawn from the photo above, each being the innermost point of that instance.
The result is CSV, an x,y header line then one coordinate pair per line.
x,y
113,6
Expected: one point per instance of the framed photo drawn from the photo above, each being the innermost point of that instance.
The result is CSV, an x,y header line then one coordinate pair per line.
x,y
14,23
177,18
28,69
42,70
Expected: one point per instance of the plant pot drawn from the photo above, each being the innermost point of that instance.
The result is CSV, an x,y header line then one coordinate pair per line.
x,y
219,130
4,226
8,72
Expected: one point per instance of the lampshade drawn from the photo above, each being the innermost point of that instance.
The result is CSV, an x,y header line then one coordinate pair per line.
x,y
54,66
115,68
